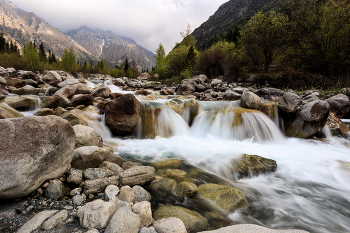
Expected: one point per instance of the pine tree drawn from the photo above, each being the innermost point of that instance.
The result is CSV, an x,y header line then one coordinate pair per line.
x,y
126,64
2,43
31,56
42,53
190,60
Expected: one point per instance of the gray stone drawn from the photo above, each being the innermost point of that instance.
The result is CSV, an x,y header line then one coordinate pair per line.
x,y
45,112
137,176
86,136
119,203
55,101
68,81
143,209
270,93
95,186
83,88
20,101
141,194
126,194
93,231
36,221
67,91
290,102
250,228
113,167
147,230
52,76
74,192
89,157
54,190
111,191
250,100
169,225
102,91
96,173
82,99
26,90
339,105
55,220
187,86
96,214
216,82
231,95
124,220
33,150
74,176
78,199
8,112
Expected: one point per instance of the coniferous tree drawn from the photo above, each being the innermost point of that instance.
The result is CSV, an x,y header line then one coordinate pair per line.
x,y
42,53
31,56
126,65
2,43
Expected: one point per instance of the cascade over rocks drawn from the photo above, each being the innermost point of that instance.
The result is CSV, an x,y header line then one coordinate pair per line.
x,y
309,119
123,115
42,150
339,105
336,126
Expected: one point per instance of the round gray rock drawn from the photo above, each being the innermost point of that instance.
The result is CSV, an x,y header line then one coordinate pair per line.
x,y
86,136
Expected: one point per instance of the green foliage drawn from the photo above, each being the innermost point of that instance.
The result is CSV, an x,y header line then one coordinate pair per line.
x,y
176,59
160,68
42,53
31,57
126,64
69,60
129,73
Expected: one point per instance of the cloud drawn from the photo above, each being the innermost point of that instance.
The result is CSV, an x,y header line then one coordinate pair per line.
x,y
147,22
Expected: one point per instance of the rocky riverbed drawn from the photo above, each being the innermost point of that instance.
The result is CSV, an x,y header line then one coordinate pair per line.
x,y
60,175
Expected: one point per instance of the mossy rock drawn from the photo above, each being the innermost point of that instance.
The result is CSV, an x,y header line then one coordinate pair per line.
x,y
177,105
167,164
252,165
193,107
163,186
193,221
185,189
227,198
176,174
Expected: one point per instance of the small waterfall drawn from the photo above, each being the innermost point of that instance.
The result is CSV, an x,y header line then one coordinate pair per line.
x,y
158,119
327,132
99,125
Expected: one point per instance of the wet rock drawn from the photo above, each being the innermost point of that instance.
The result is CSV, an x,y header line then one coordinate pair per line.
x,y
78,199
82,99
162,187
54,190
59,111
167,164
33,150
17,102
111,191
36,221
176,174
68,81
55,220
13,82
55,101
143,209
270,93
74,176
8,112
137,176
192,220
177,105
87,136
141,92
114,96
83,88
267,109
339,105
185,189
96,173
26,90
114,168
123,115
67,91
129,164
227,198
126,194
191,110
45,112
250,100
169,225
252,165
76,117
187,86
89,157
200,88
124,220
102,91
289,102
95,186
96,214
166,92
52,76
310,119
336,126
231,95
141,194
250,228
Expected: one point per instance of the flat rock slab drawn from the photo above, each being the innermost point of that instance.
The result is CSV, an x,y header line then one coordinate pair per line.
x,y
36,221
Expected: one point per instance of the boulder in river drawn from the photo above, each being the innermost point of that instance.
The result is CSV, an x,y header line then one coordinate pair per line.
x,y
86,136
289,102
18,102
102,91
336,126
8,112
33,150
250,100
89,157
187,86
339,105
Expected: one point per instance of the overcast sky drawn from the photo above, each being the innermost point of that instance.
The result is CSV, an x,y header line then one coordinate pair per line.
x,y
148,22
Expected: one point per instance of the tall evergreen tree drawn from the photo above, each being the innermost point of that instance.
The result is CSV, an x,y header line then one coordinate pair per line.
x,y
42,53
126,64
31,56
2,43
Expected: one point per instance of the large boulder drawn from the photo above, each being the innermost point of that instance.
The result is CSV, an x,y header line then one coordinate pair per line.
x,y
67,91
187,86
124,220
123,114
250,100
339,105
33,150
89,157
87,136
20,101
82,99
68,81
270,93
192,220
309,119
83,88
52,76
228,199
55,101
102,91
289,102
26,90
8,112
14,82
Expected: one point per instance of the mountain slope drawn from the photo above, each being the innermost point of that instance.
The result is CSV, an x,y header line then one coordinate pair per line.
x,y
108,46
224,19
22,26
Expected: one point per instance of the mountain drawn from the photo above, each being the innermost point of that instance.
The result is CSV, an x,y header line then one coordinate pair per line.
x,y
229,14
22,27
104,45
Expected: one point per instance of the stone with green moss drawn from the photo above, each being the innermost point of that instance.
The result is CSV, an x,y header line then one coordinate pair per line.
x,y
186,189
254,165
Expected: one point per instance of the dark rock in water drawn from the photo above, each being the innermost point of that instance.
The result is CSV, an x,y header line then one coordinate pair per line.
x,y
166,92
290,102
123,115
268,109
336,126
187,86
270,93
252,165
221,198
192,220
339,105
309,119
114,96
33,150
